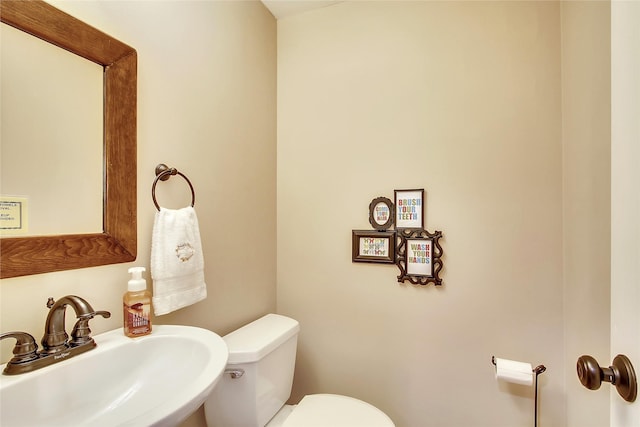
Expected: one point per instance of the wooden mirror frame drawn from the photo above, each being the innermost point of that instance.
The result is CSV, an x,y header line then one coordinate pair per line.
x,y
21,256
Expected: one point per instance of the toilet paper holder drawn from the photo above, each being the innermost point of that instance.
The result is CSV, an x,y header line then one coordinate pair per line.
x,y
537,371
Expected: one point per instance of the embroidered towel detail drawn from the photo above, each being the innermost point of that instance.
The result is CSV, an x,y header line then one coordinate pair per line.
x,y
177,264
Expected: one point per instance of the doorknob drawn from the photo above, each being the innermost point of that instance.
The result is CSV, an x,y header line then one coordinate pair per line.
x,y
620,374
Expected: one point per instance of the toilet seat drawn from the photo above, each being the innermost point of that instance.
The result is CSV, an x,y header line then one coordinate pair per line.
x,y
322,410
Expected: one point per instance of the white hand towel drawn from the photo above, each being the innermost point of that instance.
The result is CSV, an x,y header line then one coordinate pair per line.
x,y
177,264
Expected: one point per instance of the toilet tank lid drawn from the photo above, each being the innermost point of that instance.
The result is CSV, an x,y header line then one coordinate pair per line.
x,y
255,340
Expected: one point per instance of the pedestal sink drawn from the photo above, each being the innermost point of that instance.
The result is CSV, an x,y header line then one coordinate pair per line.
x,y
155,380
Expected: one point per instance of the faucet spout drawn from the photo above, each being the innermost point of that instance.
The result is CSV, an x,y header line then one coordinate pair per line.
x,y
55,337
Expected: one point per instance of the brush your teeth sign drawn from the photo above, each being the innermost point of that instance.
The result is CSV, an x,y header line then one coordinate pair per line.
x,y
409,208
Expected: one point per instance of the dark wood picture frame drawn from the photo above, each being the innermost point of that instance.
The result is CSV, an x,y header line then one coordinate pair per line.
x,y
373,246
409,209
381,213
117,243
419,257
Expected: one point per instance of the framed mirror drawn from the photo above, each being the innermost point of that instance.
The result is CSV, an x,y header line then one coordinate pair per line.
x,y
20,256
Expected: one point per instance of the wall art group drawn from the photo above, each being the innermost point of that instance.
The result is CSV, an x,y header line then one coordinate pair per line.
x,y
399,237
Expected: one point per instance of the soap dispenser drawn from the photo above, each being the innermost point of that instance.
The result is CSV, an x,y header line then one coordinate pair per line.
x,y
137,305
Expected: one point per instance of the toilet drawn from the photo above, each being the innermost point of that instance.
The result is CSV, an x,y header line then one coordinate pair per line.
x,y
257,383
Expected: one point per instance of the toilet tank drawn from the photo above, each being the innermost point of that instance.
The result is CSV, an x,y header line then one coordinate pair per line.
x,y
265,351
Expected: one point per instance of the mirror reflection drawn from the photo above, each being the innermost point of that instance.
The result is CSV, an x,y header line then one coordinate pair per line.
x,y
116,242
52,117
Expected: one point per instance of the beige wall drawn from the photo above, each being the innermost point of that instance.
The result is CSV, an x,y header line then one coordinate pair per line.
x,y
462,99
586,136
206,105
468,100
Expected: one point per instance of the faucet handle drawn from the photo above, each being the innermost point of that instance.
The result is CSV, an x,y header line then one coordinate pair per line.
x,y
103,313
25,349
81,333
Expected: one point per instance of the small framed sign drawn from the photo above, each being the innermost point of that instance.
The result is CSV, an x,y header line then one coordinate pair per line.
x,y
13,216
419,257
409,209
373,246
381,213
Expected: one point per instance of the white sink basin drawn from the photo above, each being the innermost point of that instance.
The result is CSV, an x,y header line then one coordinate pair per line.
x,y
158,379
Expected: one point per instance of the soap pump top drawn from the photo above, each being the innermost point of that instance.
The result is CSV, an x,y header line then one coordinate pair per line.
x,y
137,282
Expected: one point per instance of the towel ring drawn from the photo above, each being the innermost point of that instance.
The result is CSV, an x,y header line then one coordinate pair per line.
x,y
163,173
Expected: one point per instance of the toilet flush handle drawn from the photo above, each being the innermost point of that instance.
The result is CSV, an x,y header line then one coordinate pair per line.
x,y
235,373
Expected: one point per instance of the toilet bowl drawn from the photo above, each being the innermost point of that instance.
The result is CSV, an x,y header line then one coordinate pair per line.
x,y
258,380
322,410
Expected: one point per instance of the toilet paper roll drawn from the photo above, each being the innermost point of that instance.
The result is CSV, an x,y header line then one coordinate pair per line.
x,y
514,372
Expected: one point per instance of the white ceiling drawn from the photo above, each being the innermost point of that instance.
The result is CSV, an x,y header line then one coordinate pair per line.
x,y
281,8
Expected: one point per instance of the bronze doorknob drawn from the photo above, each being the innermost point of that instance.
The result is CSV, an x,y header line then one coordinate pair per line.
x,y
620,374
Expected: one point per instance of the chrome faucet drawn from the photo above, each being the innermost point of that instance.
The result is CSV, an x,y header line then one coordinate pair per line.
x,y
56,345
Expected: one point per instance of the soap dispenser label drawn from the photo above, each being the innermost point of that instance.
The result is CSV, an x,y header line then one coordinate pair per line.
x,y
136,320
